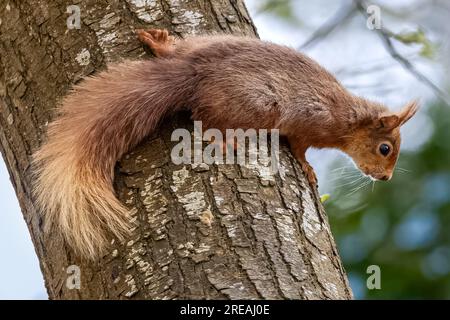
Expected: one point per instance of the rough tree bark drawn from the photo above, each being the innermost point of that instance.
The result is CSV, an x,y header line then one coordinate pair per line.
x,y
207,232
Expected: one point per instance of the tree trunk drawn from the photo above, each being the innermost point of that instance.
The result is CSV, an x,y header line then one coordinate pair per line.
x,y
223,231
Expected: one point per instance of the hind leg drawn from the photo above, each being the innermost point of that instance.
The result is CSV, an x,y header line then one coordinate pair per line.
x,y
159,41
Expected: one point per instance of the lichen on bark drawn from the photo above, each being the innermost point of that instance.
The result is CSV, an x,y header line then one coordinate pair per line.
x,y
223,231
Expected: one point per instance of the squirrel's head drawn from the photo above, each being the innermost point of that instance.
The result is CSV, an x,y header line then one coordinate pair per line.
x,y
375,146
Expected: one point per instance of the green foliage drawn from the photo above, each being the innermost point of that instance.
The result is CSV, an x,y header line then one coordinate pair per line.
x,y
417,37
325,197
281,8
403,225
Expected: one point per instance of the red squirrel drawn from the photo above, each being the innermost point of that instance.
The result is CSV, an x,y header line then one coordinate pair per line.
x,y
226,82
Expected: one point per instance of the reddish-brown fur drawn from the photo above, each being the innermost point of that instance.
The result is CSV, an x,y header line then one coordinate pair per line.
x,y
227,82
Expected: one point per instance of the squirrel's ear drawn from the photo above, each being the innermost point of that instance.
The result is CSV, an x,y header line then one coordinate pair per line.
x,y
389,121
408,111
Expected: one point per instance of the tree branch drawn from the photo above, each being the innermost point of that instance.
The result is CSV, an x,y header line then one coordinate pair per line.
x,y
386,36
341,16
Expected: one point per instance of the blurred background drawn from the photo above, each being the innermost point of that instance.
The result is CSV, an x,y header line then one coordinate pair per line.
x,y
401,226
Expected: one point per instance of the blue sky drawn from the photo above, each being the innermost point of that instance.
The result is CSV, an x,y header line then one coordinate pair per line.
x,y
20,276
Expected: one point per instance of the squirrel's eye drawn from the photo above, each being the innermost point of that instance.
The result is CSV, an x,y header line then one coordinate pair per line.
x,y
385,149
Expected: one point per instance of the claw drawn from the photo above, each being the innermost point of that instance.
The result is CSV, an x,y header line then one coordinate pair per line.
x,y
309,173
158,40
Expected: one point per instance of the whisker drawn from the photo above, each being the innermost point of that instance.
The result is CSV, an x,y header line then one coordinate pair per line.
x,y
345,177
341,168
357,187
360,188
344,173
344,170
364,184
360,179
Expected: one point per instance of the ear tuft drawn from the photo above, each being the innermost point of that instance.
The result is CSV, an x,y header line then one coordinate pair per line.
x,y
389,122
408,111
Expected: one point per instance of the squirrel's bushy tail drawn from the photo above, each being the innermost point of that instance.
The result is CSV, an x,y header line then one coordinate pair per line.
x,y
100,120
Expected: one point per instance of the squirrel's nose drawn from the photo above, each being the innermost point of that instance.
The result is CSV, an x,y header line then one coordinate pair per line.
x,y
385,178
